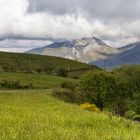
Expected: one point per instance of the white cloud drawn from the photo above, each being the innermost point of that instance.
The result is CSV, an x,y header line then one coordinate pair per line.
x,y
117,22
16,45
11,13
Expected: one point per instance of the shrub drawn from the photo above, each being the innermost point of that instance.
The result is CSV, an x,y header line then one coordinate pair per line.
x,y
95,87
130,114
14,85
62,72
68,95
39,70
63,94
107,90
69,85
136,118
11,84
75,77
90,107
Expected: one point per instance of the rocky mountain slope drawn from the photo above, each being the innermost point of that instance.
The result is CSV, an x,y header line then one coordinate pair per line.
x,y
93,51
84,50
129,54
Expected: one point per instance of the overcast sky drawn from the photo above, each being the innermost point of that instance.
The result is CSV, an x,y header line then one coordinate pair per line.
x,y
117,22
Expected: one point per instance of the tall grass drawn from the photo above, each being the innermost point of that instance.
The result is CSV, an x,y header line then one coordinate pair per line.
x,y
36,115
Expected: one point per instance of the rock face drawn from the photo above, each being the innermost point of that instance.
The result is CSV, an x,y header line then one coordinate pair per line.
x,y
93,51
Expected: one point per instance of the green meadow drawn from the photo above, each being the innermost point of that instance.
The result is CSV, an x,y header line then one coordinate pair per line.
x,y
40,99
37,115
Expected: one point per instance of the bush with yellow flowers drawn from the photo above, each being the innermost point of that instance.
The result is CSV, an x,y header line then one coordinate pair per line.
x,y
90,107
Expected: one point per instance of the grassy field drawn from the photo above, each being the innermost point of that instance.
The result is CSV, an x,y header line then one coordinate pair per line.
x,y
38,80
36,115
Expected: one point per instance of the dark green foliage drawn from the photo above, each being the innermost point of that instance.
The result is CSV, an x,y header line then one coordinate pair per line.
x,y
48,70
62,72
136,118
75,77
69,92
14,85
130,114
69,85
68,95
119,91
93,85
135,102
119,94
39,70
131,74
63,94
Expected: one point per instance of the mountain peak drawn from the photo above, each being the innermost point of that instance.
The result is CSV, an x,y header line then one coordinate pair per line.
x,y
98,40
88,41
84,49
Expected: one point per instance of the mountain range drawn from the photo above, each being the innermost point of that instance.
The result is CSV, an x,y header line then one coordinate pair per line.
x,y
93,51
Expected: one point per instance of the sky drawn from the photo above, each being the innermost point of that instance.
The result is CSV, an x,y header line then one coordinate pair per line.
x,y
116,22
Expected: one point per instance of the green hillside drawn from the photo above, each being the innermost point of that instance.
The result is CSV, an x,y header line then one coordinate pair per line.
x,y
41,64
36,115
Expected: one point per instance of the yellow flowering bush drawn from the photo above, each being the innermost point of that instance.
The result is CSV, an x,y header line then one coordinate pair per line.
x,y
90,107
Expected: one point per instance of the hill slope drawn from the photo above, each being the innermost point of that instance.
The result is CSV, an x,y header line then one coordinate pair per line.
x,y
37,115
47,64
